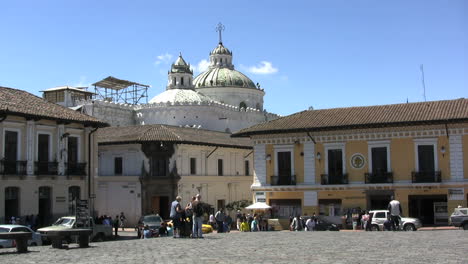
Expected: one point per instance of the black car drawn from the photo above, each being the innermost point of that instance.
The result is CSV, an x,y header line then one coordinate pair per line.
x,y
322,225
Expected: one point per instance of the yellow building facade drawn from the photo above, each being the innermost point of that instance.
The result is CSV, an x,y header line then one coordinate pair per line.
x,y
306,164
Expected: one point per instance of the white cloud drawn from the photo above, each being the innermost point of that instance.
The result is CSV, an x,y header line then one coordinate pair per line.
x,y
163,58
82,83
201,66
265,67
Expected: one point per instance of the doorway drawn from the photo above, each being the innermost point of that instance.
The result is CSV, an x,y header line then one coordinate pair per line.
x,y
45,205
160,205
11,203
378,199
422,207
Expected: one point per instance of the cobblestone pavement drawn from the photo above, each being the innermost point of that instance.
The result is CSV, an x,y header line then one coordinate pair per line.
x,y
448,246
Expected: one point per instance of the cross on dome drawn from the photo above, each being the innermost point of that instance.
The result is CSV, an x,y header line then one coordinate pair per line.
x,y
219,29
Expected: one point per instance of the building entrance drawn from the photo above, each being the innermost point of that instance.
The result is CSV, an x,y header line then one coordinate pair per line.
x,y
422,207
45,206
378,200
160,205
11,203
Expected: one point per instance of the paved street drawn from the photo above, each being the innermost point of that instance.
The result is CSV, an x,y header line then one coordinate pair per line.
x,y
448,246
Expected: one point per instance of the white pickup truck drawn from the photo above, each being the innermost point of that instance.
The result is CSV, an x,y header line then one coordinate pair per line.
x,y
380,216
100,232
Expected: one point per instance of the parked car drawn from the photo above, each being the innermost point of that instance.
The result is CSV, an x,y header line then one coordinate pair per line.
x,y
323,224
100,232
380,216
459,218
6,243
153,221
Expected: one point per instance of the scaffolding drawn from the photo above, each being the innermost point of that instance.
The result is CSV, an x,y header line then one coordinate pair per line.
x,y
121,91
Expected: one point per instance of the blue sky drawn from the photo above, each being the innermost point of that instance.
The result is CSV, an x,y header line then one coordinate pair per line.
x,y
303,53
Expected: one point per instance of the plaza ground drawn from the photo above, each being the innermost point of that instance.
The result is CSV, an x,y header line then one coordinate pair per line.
x,y
441,246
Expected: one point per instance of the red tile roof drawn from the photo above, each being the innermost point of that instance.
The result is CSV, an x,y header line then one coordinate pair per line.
x,y
21,103
166,133
435,112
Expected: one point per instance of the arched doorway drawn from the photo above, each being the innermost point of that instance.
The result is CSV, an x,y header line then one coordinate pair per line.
x,y
73,194
12,204
45,205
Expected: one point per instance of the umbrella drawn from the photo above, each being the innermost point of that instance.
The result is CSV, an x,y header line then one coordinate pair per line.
x,y
258,205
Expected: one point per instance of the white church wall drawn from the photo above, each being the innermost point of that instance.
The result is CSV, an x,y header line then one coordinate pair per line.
x,y
235,95
132,159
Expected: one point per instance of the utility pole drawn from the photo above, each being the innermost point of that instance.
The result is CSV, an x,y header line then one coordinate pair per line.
x,y
423,83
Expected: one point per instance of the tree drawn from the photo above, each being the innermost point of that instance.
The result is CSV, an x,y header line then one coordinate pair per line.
x,y
238,205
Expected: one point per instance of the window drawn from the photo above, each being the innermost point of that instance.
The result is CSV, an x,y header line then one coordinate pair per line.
x,y
193,166
11,145
43,151
182,81
72,150
174,81
426,158
379,160
220,167
426,155
380,215
118,165
335,162
242,105
159,167
247,168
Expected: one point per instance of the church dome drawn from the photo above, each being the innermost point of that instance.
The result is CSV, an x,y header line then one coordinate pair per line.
x,y
180,96
220,49
219,77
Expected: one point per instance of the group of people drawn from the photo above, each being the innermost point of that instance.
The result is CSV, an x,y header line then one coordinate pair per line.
x,y
118,221
299,223
31,221
188,221
251,223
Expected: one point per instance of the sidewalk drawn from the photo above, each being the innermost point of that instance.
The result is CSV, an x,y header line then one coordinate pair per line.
x,y
428,228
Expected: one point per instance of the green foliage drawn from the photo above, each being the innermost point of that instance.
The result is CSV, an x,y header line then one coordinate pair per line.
x,y
238,205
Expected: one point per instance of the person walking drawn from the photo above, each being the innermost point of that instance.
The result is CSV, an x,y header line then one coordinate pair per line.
x,y
394,207
219,216
310,224
238,219
122,220
175,215
198,212
116,225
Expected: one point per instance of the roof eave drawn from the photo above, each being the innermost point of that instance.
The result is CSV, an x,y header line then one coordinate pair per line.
x,y
331,128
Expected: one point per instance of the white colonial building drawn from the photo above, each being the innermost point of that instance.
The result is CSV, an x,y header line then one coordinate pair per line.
x,y
143,168
44,157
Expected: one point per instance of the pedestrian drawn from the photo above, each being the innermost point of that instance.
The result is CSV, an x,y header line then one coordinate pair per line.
x,y
198,212
116,225
296,224
394,207
249,220
146,232
228,220
238,219
365,220
310,224
219,216
244,226
122,220
211,221
254,224
175,215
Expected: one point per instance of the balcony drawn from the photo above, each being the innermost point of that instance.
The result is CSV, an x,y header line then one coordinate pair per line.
x,y
426,176
327,179
75,169
17,168
379,177
42,168
283,180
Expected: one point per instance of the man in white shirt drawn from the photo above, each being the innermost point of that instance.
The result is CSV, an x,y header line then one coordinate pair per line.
x,y
394,207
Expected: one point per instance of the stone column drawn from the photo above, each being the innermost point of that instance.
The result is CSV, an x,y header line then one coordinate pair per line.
x,y
309,163
260,165
61,149
30,146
